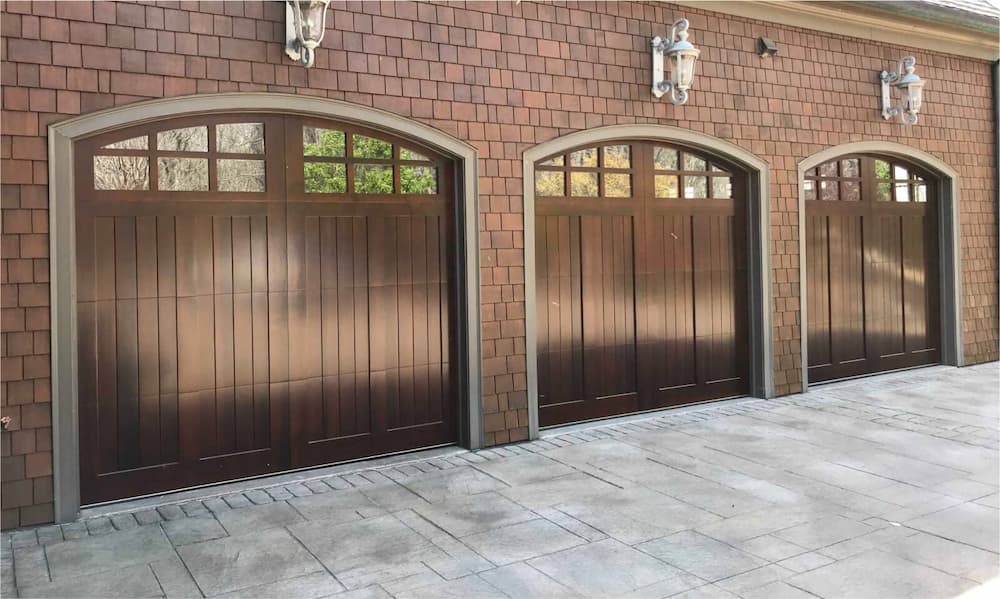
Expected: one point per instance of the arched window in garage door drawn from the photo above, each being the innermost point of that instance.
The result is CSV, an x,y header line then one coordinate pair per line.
x,y
258,293
641,279
871,266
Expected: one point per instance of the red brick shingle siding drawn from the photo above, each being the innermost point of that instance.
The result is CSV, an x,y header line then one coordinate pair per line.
x,y
502,76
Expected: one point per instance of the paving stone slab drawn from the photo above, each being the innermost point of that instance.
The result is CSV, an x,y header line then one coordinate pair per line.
x,y
522,541
878,574
444,484
524,469
702,556
309,586
968,523
332,507
258,517
134,582
193,530
521,580
604,568
368,551
71,559
250,560
471,587
466,515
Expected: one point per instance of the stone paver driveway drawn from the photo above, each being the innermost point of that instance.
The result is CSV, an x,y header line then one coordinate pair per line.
x,y
881,487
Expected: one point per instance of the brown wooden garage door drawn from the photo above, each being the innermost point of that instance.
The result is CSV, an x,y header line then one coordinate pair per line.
x,y
641,280
257,293
871,267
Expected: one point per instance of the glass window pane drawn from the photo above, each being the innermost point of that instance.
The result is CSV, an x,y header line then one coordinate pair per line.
x,y
618,185
190,139
368,147
695,187
666,186
881,169
583,184
405,154
850,191
325,177
902,193
828,169
850,168
418,179
693,163
240,138
549,183
829,191
121,172
716,169
372,178
617,157
182,174
809,186
900,172
557,161
586,157
883,191
241,175
722,187
135,143
920,193
811,172
322,142
665,159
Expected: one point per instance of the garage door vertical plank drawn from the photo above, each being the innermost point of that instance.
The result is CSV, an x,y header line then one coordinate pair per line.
x,y
127,342
243,334
167,313
107,348
260,308
149,341
222,267
328,281
404,289
422,280
195,338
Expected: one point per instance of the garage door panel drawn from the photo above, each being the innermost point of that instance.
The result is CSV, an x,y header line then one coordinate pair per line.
x,y
669,346
608,306
818,308
871,273
917,291
661,288
560,328
215,323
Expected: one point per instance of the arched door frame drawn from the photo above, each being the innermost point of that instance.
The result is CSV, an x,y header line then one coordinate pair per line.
x,y
759,262
949,247
62,247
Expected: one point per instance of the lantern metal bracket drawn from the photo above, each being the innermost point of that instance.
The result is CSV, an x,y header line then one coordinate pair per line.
x,y
902,78
299,46
675,47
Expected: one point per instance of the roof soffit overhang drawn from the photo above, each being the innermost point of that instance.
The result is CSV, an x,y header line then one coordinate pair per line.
x,y
868,21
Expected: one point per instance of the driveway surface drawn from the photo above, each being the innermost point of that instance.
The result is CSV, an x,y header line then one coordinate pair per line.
x,y
880,487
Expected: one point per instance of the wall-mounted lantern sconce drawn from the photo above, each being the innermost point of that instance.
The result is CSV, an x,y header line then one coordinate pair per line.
x,y
682,56
305,24
911,92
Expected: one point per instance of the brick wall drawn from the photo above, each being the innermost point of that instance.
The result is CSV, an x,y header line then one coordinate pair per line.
x,y
502,76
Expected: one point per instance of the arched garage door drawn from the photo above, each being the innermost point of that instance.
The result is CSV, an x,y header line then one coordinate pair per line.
x,y
871,267
257,293
641,280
